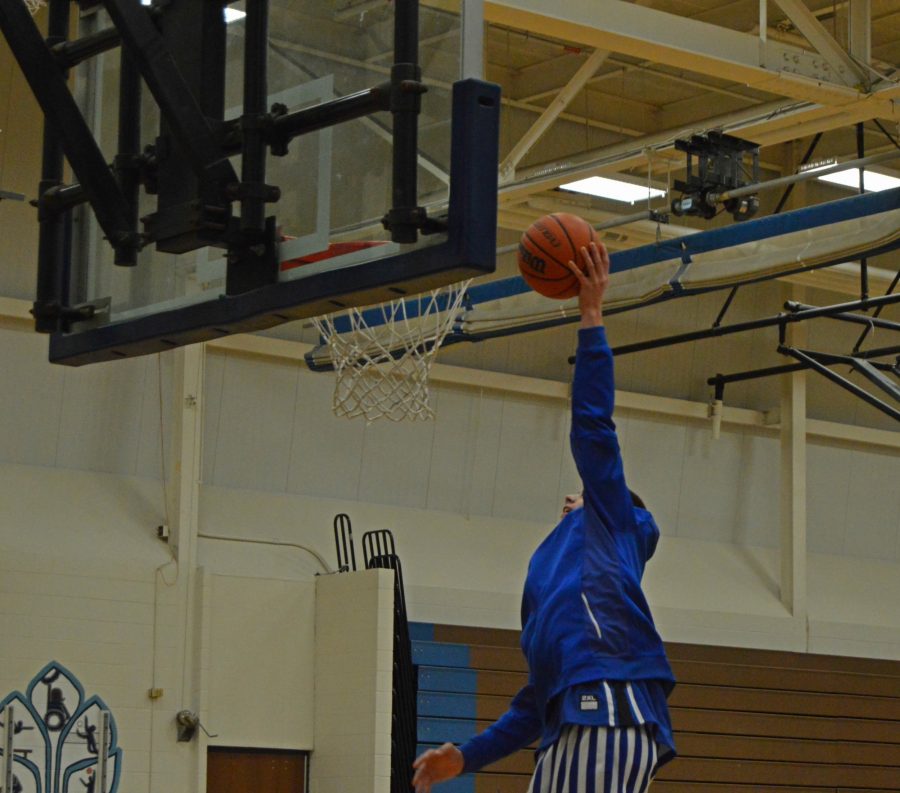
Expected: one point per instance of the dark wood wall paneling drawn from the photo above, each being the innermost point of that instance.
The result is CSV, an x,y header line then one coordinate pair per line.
x,y
746,721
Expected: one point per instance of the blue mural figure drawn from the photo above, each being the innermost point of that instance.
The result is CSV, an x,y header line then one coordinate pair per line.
x,y
65,743
91,781
88,734
56,714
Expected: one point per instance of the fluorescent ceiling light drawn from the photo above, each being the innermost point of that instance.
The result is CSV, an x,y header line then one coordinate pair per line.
x,y
615,189
874,182
231,14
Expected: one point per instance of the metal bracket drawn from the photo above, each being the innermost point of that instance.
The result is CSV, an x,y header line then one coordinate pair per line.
x,y
188,722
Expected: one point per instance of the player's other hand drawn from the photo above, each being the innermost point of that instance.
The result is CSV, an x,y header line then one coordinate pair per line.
x,y
436,765
593,278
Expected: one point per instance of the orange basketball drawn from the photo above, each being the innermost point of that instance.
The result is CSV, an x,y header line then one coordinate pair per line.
x,y
545,249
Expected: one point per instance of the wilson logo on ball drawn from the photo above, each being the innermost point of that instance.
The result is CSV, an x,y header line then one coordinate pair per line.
x,y
534,262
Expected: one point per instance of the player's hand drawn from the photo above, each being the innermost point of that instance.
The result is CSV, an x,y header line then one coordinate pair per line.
x,y
592,283
436,765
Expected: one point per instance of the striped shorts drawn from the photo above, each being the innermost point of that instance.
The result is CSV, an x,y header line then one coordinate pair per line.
x,y
593,759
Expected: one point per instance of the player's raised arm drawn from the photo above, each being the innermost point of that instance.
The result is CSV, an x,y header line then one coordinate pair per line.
x,y
595,446
593,390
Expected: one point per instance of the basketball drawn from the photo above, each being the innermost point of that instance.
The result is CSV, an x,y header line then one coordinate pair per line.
x,y
545,250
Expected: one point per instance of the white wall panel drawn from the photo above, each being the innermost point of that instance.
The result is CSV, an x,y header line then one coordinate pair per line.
x,y
569,478
711,473
30,398
873,505
654,458
756,517
532,439
213,382
395,461
253,428
326,451
454,445
262,644
828,488
155,436
99,428
353,658
484,433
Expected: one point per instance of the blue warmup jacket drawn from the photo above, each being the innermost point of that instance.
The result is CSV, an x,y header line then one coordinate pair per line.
x,y
584,615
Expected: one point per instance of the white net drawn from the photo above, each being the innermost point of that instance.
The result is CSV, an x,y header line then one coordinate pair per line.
x,y
34,5
382,356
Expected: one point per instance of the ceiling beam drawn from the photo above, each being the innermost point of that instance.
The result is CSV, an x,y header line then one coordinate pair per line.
x,y
845,68
647,66
546,119
678,41
768,124
860,33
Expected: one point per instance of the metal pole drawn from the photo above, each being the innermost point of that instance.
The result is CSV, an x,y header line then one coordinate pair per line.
x,y
737,377
127,165
781,319
859,319
405,216
862,336
327,114
644,214
9,729
841,381
256,92
878,352
472,40
863,262
752,189
103,755
51,294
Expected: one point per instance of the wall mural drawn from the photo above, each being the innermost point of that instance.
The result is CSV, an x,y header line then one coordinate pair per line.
x,y
58,737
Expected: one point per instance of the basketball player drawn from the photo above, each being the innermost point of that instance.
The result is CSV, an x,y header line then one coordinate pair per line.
x,y
598,675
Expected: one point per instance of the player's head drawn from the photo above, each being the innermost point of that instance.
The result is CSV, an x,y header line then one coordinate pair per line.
x,y
576,500
572,501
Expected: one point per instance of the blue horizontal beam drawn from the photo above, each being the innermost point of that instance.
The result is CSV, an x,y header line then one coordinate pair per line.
x,y
715,239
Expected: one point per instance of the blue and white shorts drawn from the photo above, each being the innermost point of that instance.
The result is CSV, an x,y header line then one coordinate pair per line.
x,y
593,759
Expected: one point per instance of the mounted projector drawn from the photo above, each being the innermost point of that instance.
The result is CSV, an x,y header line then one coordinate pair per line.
x,y
723,163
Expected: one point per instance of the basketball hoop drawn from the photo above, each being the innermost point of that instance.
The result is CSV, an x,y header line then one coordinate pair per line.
x,y
34,5
382,356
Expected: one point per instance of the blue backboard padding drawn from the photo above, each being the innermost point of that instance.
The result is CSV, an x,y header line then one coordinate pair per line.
x,y
451,706
436,730
715,239
440,654
457,681
421,631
